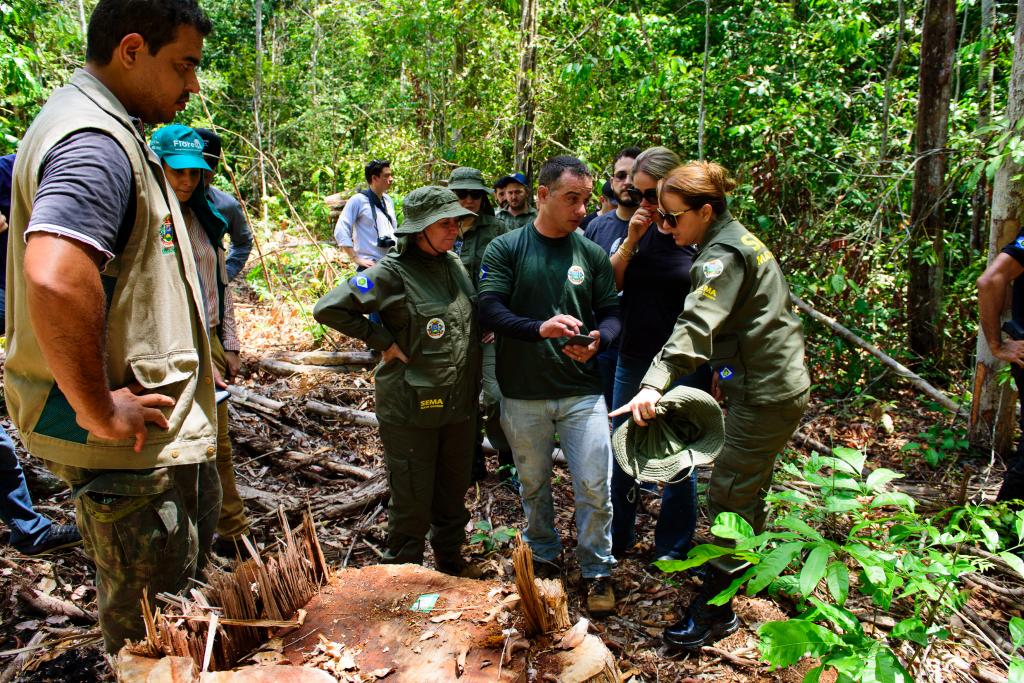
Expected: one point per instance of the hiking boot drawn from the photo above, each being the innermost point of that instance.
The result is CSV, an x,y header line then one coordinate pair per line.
x,y
600,596
703,623
547,569
57,537
457,566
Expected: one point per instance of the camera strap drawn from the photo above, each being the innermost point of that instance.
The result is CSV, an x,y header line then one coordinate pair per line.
x,y
374,199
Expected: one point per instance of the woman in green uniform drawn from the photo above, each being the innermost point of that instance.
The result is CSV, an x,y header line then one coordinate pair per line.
x,y
738,318
468,185
428,384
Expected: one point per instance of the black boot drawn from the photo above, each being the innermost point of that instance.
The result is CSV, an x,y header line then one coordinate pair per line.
x,y
479,472
703,623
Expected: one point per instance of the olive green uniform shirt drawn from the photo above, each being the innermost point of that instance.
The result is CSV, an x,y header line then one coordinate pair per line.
x,y
513,222
739,318
471,246
427,306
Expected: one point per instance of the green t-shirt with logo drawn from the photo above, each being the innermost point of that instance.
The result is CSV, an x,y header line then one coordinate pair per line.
x,y
542,277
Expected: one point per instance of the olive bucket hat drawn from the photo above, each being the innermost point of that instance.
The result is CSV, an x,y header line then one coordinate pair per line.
x,y
427,205
466,178
689,431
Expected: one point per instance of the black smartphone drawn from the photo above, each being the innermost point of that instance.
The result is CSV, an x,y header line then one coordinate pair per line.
x,y
579,340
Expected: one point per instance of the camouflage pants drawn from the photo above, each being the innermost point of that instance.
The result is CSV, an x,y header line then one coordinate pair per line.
x,y
742,475
144,529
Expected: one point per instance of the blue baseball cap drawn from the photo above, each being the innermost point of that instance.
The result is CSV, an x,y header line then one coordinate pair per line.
x,y
516,177
179,147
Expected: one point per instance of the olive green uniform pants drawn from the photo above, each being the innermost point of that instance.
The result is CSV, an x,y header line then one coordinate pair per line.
x,y
490,401
143,529
742,474
428,473
233,522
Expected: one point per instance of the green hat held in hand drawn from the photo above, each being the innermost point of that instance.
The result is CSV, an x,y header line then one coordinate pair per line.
x,y
689,431
425,206
466,178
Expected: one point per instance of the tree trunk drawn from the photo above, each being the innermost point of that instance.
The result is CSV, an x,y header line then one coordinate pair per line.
x,y
257,103
925,262
992,412
979,201
526,92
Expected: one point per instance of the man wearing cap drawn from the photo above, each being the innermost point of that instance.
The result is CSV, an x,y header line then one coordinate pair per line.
x,y
518,211
366,227
227,206
468,185
181,150
608,231
108,374
428,385
538,286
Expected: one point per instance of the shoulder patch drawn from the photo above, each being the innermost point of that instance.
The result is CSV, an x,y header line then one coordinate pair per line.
x,y
725,372
361,282
707,292
713,268
483,273
1019,242
435,328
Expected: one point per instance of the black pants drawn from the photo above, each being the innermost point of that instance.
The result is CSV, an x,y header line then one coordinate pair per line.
x,y
1013,480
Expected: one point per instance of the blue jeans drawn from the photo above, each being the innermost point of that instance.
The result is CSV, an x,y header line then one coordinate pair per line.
x,y
28,527
607,361
582,426
678,517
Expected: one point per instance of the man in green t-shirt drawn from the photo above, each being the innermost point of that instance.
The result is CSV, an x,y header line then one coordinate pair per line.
x,y
539,287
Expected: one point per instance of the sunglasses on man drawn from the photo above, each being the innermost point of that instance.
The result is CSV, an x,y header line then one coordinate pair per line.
x,y
473,194
638,196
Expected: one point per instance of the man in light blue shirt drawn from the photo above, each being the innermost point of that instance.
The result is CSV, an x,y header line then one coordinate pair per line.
x,y
366,226
227,206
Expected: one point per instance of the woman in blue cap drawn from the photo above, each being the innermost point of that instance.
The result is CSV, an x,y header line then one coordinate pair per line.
x,y
181,151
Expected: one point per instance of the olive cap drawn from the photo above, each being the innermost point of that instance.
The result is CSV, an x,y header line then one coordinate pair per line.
x,y
425,206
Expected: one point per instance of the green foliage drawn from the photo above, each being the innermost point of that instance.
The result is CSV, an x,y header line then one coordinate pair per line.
x,y
939,443
489,538
839,525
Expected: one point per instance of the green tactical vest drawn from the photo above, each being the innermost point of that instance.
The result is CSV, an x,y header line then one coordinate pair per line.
x,y
441,382
154,331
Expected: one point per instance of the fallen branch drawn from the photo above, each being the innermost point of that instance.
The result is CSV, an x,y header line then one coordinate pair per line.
x,y
19,662
346,415
330,465
285,369
348,503
51,606
730,657
901,370
240,395
812,443
327,358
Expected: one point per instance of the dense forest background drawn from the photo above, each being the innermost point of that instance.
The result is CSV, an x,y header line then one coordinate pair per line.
x,y
811,103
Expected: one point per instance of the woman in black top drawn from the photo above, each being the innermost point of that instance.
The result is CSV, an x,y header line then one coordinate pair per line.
x,y
654,277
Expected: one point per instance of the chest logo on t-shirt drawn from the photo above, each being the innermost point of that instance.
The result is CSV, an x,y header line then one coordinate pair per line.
x,y
615,246
167,235
362,283
713,269
435,328
576,275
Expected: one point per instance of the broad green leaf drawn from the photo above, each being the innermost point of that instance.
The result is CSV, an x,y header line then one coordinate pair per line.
x,y
732,526
800,526
814,568
837,577
842,618
1013,560
734,587
773,564
882,666
1016,671
784,643
911,629
851,457
895,499
837,504
880,477
1017,631
814,675
696,557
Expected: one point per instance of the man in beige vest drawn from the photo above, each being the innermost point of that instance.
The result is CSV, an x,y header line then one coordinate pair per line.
x,y
108,374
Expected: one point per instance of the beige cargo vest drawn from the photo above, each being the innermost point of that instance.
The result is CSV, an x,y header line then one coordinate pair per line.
x,y
154,333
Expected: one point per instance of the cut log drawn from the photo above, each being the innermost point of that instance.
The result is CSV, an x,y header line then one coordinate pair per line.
x,y
327,358
50,606
903,371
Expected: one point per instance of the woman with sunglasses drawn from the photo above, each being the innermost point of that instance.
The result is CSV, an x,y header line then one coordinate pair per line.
x,y
739,318
653,274
428,384
477,232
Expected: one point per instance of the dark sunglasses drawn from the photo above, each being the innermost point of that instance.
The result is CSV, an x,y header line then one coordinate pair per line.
x,y
621,175
475,194
671,218
637,196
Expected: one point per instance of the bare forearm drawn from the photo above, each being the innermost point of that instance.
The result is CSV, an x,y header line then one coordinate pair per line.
x,y
61,275
991,301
